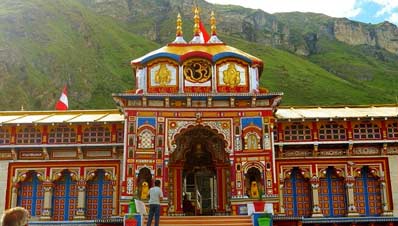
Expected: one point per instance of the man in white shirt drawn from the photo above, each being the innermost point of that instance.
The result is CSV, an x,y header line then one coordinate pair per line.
x,y
155,196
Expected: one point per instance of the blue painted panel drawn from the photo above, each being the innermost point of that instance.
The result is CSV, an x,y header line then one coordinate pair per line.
x,y
160,55
146,120
257,121
222,55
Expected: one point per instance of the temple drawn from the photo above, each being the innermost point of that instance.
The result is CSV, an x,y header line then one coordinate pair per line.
x,y
198,121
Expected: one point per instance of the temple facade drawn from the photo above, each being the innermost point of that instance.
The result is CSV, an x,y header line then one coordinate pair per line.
x,y
198,121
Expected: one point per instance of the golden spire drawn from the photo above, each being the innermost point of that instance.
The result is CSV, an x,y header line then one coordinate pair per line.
x,y
213,23
179,25
196,19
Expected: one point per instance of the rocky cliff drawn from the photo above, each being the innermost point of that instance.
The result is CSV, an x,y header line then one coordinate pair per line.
x,y
284,30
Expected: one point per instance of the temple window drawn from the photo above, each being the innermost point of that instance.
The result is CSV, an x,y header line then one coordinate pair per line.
x,y
99,195
62,135
275,131
297,132
367,193
146,139
366,131
392,131
252,141
332,131
31,193
4,136
29,135
96,134
65,197
297,194
119,135
332,194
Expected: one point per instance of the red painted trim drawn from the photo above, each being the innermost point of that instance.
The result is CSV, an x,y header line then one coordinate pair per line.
x,y
383,130
79,134
349,131
178,187
196,44
314,130
44,135
113,133
196,54
280,132
13,135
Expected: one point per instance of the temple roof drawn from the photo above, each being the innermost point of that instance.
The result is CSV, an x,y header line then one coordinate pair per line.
x,y
114,116
212,52
49,117
337,112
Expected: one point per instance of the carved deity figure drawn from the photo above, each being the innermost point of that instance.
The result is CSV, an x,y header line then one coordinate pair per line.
x,y
163,75
254,190
231,76
144,190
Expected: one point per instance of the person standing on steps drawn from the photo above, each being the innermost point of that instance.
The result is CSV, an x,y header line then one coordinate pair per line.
x,y
155,196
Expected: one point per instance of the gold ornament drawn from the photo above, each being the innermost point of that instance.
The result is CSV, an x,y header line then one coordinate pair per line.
x,y
197,71
231,76
163,75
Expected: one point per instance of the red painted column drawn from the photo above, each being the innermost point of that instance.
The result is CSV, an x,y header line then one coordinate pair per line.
x,y
280,132
13,134
221,189
314,131
178,189
383,130
44,135
113,133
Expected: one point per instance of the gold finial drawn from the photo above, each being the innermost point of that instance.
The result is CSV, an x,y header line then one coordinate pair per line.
x,y
196,19
179,25
213,23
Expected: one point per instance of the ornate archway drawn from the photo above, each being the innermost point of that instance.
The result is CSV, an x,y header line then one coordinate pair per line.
x,y
199,171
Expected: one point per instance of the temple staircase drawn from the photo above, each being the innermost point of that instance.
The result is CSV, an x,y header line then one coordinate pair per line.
x,y
203,221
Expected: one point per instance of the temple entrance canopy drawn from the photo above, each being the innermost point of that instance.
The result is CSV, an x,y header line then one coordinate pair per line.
x,y
202,166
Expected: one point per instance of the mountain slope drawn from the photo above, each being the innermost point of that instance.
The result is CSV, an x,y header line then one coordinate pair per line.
x,y
88,45
46,44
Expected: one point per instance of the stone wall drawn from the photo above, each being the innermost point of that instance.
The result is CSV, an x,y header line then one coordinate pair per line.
x,y
392,161
3,184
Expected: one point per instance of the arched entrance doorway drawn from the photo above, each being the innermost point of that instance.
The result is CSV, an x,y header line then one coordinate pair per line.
x,y
199,172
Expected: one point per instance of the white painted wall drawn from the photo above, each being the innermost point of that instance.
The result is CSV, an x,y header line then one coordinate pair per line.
x,y
392,161
3,184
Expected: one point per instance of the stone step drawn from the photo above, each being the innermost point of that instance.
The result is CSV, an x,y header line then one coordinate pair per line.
x,y
203,220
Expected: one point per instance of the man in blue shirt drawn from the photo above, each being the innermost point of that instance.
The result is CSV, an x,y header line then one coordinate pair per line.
x,y
155,196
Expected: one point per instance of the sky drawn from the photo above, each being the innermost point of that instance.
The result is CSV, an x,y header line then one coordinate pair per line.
x,y
367,11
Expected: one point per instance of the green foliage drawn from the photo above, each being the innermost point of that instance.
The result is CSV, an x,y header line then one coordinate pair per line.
x,y
45,44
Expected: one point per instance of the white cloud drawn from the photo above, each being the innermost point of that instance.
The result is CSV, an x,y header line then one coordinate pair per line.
x,y
335,8
393,18
387,6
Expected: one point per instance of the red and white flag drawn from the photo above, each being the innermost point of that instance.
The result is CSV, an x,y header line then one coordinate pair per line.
x,y
204,36
62,103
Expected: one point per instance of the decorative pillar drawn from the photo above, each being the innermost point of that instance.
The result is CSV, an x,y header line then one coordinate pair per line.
x,y
315,152
349,184
176,187
316,210
48,187
115,197
384,199
281,204
81,200
14,194
221,189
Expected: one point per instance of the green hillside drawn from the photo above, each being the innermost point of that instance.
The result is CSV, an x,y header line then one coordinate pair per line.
x,y
46,44
88,45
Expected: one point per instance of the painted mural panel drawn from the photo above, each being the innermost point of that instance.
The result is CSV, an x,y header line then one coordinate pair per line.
x,y
163,77
232,76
